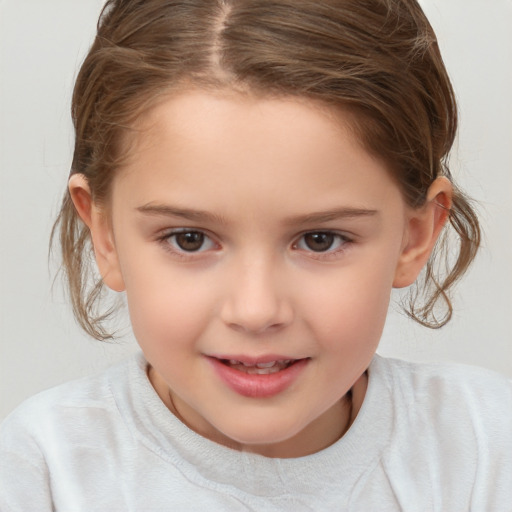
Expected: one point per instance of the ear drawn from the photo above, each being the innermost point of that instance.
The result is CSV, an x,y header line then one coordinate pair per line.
x,y
422,231
101,232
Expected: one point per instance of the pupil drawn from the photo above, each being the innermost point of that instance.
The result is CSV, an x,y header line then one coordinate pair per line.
x,y
319,242
190,241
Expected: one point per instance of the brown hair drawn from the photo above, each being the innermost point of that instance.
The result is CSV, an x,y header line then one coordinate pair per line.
x,y
379,59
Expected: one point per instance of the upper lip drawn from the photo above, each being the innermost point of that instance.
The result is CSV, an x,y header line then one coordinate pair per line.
x,y
254,360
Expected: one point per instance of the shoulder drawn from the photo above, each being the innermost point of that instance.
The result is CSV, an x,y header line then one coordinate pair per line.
x,y
49,413
91,390
439,383
59,438
450,392
450,432
461,414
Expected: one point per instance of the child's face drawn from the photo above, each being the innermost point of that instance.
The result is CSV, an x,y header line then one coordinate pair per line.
x,y
254,231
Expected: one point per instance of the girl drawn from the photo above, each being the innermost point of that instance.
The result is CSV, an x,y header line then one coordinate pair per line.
x,y
256,176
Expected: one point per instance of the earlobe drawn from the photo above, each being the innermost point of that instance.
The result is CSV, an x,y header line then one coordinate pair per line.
x,y
101,232
424,226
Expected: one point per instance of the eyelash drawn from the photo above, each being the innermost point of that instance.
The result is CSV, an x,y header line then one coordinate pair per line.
x,y
341,240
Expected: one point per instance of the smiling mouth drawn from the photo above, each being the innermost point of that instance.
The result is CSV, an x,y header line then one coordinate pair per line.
x,y
260,377
259,368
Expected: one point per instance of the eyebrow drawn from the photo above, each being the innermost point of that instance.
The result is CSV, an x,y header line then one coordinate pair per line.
x,y
330,215
204,216
183,213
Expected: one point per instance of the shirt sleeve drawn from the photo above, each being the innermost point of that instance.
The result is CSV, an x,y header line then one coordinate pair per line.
x,y
24,476
493,487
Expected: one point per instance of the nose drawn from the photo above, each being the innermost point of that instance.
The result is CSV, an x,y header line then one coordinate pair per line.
x,y
257,301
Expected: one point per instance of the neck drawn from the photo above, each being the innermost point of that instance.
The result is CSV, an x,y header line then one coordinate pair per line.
x,y
321,433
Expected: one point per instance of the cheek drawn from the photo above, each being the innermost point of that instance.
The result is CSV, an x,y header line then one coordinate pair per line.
x,y
165,306
351,309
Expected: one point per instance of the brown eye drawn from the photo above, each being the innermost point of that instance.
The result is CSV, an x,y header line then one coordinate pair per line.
x,y
189,241
319,242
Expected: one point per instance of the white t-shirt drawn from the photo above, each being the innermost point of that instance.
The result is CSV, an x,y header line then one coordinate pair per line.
x,y
427,438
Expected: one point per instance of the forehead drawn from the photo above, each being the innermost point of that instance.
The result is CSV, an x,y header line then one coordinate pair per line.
x,y
218,109
250,147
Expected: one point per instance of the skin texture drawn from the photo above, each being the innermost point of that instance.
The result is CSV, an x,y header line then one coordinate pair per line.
x,y
254,176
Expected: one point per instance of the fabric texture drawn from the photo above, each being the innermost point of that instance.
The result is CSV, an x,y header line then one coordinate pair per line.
x,y
429,437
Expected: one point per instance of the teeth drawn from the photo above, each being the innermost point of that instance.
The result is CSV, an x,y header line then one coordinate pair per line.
x,y
260,368
270,364
266,365
254,370
266,371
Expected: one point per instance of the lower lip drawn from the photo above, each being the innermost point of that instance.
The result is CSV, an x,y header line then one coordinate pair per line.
x,y
258,386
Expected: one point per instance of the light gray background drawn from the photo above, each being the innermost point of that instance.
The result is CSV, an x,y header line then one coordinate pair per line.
x,y
42,44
